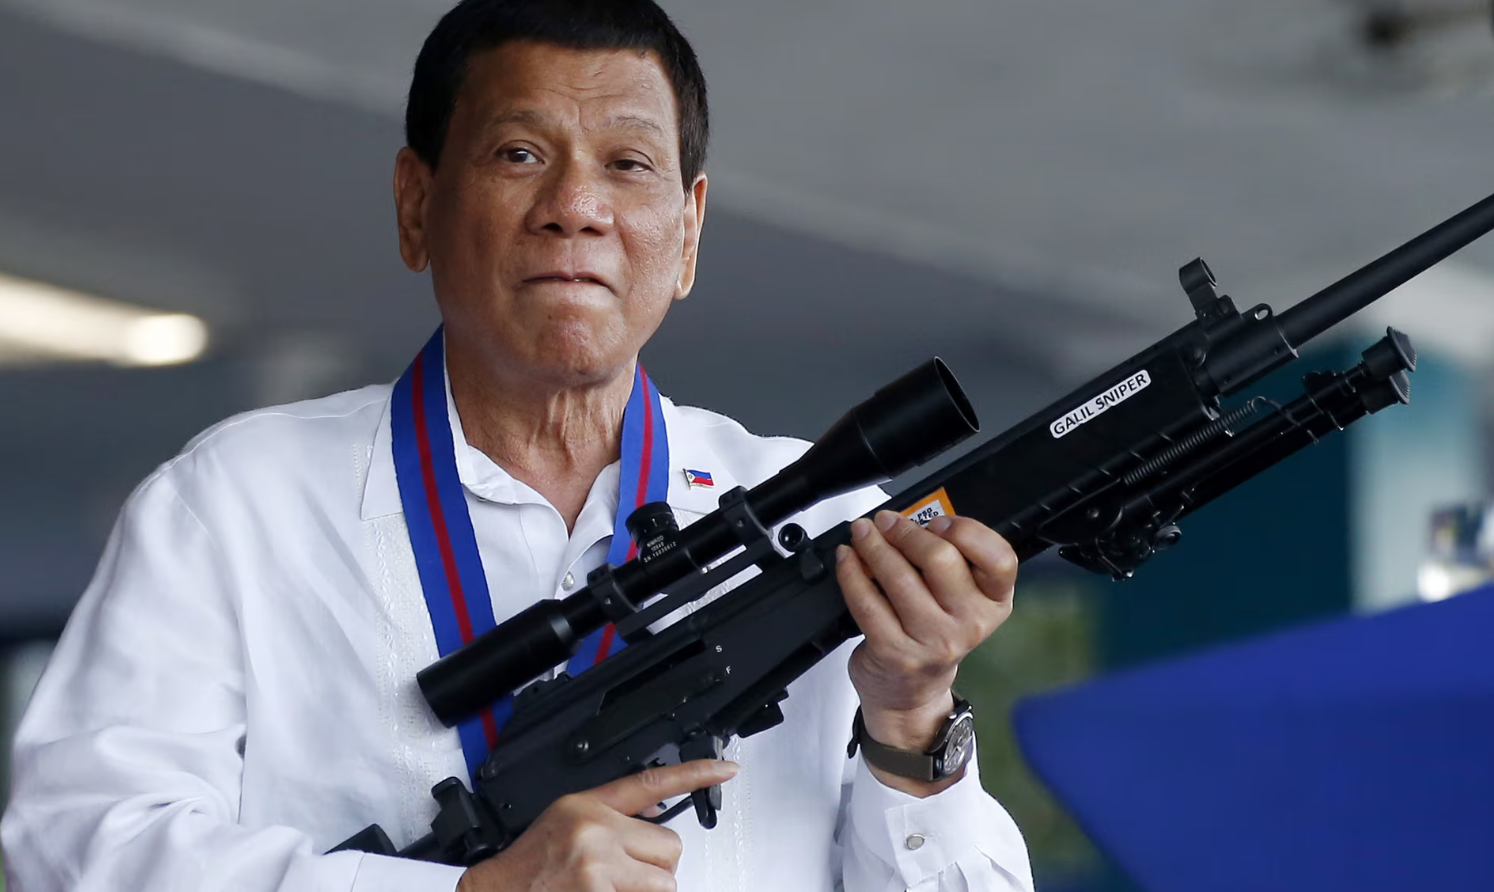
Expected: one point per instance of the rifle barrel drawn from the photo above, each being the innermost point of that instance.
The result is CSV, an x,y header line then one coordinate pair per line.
x,y
1363,287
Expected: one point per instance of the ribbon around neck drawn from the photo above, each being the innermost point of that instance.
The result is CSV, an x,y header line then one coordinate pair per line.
x,y
440,525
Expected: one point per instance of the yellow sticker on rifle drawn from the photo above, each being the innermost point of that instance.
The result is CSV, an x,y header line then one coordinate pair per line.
x,y
936,505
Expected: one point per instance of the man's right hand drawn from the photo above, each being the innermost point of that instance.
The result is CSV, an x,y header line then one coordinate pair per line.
x,y
591,841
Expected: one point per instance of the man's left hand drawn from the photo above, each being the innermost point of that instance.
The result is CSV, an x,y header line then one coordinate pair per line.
x,y
925,598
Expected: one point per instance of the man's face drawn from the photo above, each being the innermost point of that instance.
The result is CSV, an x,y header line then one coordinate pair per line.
x,y
555,227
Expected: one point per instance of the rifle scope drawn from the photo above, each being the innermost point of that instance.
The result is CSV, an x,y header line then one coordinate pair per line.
x,y
902,425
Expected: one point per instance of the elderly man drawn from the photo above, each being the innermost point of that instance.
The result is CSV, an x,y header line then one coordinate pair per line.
x,y
234,694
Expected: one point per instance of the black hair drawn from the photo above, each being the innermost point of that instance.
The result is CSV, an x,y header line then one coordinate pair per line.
x,y
474,26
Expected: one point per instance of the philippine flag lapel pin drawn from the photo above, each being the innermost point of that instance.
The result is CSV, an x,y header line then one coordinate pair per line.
x,y
699,478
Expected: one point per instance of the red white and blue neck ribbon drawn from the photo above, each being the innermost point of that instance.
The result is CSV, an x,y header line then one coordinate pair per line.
x,y
441,535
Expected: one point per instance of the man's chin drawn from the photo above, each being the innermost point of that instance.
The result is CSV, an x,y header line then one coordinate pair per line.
x,y
565,362
559,351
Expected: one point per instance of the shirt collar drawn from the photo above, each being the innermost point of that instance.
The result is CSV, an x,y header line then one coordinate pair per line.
x,y
381,489
688,449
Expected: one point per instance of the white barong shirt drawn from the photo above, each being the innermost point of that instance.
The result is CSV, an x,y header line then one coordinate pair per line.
x,y
235,692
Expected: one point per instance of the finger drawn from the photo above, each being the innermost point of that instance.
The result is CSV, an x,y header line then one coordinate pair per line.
x,y
920,615
868,606
992,561
944,569
636,792
653,844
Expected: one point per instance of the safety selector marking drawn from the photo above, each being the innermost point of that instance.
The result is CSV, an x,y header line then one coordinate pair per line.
x,y
1091,409
930,507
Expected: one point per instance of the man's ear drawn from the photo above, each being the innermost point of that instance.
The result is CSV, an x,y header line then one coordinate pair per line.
x,y
695,207
412,190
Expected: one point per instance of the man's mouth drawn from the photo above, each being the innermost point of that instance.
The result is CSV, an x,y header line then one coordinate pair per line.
x,y
579,279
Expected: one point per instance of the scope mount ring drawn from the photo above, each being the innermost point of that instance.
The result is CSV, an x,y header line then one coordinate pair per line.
x,y
742,520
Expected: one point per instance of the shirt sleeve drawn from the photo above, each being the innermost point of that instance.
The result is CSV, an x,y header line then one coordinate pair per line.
x,y
958,840
127,764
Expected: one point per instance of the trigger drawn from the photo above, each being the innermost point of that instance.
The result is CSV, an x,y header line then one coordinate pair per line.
x,y
707,803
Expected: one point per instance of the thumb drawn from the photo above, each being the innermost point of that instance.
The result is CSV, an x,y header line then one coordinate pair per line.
x,y
636,792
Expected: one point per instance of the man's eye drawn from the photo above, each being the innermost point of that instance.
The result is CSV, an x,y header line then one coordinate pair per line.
x,y
629,164
517,156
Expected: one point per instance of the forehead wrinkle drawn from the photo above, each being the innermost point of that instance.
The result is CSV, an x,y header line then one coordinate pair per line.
x,y
534,118
515,116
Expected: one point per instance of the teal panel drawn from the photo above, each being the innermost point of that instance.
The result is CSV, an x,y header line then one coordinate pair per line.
x,y
1403,464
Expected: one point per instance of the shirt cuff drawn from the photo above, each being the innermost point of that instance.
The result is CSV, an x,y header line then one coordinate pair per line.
x,y
921,838
380,873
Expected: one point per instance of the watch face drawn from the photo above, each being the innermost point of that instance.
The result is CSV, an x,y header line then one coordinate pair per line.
x,y
960,747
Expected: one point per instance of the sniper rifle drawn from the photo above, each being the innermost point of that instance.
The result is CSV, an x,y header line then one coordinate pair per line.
x,y
1104,474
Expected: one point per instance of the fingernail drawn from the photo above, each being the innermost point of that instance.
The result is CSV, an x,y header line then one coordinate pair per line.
x,y
841,551
731,768
860,528
941,523
886,520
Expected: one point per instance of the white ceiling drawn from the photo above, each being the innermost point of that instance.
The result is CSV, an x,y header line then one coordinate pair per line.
x,y
1078,147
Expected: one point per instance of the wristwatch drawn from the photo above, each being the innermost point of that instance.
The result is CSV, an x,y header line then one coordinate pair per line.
x,y
952,748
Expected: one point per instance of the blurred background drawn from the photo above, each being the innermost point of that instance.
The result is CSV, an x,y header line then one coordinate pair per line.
x,y
195,219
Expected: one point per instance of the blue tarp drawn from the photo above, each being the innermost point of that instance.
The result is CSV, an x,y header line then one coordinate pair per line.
x,y
1356,755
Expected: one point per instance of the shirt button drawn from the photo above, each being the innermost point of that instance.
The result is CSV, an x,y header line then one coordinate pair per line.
x,y
569,582
914,841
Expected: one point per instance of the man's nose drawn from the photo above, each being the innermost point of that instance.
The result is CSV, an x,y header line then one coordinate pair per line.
x,y
573,202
